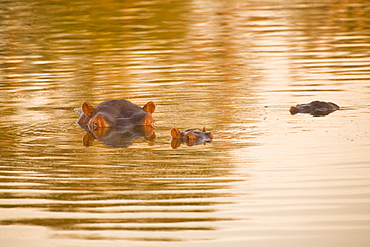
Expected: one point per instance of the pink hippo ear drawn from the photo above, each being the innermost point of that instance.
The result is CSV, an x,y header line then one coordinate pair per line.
x,y
149,107
88,109
175,133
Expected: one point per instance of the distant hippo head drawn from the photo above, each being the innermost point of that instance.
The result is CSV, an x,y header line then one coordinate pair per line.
x,y
315,108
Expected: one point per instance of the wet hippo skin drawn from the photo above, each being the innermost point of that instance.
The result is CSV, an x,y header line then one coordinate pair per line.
x,y
115,113
315,108
190,137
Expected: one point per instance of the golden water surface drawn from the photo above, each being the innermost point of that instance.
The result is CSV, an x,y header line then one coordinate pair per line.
x,y
269,178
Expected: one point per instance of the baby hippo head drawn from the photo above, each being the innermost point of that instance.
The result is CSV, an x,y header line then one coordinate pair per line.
x,y
190,137
191,134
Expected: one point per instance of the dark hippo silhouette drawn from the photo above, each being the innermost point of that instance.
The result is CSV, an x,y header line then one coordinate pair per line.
x,y
119,137
115,113
190,137
315,108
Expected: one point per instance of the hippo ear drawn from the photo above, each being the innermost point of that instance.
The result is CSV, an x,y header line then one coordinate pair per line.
x,y
175,133
88,109
204,129
149,107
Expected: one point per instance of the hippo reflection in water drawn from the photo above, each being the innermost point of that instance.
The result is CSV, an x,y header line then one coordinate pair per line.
x,y
116,121
315,108
190,137
119,137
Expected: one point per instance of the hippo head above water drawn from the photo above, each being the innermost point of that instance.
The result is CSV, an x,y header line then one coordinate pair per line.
x,y
116,113
190,137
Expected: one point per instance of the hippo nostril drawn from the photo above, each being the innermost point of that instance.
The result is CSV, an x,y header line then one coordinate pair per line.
x,y
210,135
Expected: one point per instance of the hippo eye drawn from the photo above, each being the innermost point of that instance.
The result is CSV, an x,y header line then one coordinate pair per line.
x,y
95,126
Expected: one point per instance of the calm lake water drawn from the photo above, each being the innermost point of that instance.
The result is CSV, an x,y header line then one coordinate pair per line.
x,y
269,178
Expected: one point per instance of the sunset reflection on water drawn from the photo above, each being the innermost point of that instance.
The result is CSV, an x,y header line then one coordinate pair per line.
x,y
268,178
